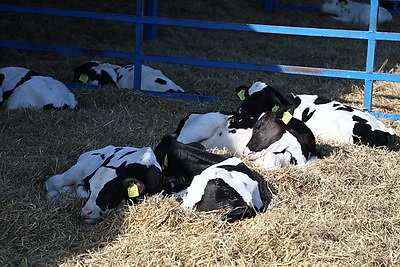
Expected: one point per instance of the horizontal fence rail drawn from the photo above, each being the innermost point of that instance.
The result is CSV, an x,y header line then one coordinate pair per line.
x,y
369,75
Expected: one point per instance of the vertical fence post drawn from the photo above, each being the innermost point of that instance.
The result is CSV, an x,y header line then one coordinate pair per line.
x,y
150,29
269,5
138,47
368,88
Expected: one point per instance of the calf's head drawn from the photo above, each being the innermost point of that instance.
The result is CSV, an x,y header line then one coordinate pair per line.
x,y
261,97
110,187
273,126
266,131
96,73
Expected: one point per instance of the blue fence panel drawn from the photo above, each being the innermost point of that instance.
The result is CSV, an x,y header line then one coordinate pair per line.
x,y
369,75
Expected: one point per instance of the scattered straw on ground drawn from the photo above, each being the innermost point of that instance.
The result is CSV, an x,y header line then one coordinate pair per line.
x,y
342,210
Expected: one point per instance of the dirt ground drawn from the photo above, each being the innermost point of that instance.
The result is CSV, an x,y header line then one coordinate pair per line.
x,y
339,210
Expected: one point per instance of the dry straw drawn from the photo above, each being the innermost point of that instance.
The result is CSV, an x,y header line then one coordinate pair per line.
x,y
341,210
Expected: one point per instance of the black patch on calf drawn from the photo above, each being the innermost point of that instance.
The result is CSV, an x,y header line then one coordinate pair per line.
x,y
107,160
241,167
345,108
321,100
240,213
184,160
7,94
112,194
149,176
103,77
359,119
102,156
306,115
172,187
296,101
117,149
2,77
127,154
1,83
174,91
161,81
27,77
241,121
87,179
219,195
49,107
52,107
304,136
119,76
181,123
363,133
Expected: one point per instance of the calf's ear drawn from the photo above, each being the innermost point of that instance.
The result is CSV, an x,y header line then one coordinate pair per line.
x,y
242,92
285,114
135,187
286,108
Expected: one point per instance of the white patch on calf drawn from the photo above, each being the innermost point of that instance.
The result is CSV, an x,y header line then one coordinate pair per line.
x,y
86,164
242,183
35,92
212,131
353,12
257,87
12,75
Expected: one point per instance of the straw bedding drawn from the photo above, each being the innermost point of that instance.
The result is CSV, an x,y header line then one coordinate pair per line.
x,y
341,210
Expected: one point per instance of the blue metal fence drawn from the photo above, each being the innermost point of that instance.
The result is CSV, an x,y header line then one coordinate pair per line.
x,y
140,20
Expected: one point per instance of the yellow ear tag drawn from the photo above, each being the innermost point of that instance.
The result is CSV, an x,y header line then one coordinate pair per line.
x,y
241,94
165,163
275,108
286,117
133,190
342,3
84,78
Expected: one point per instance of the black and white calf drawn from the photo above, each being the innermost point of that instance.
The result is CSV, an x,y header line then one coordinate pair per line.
x,y
23,88
217,130
213,182
279,139
327,119
233,132
109,177
353,12
100,73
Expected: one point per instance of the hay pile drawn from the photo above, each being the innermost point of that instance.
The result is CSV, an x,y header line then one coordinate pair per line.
x,y
340,210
